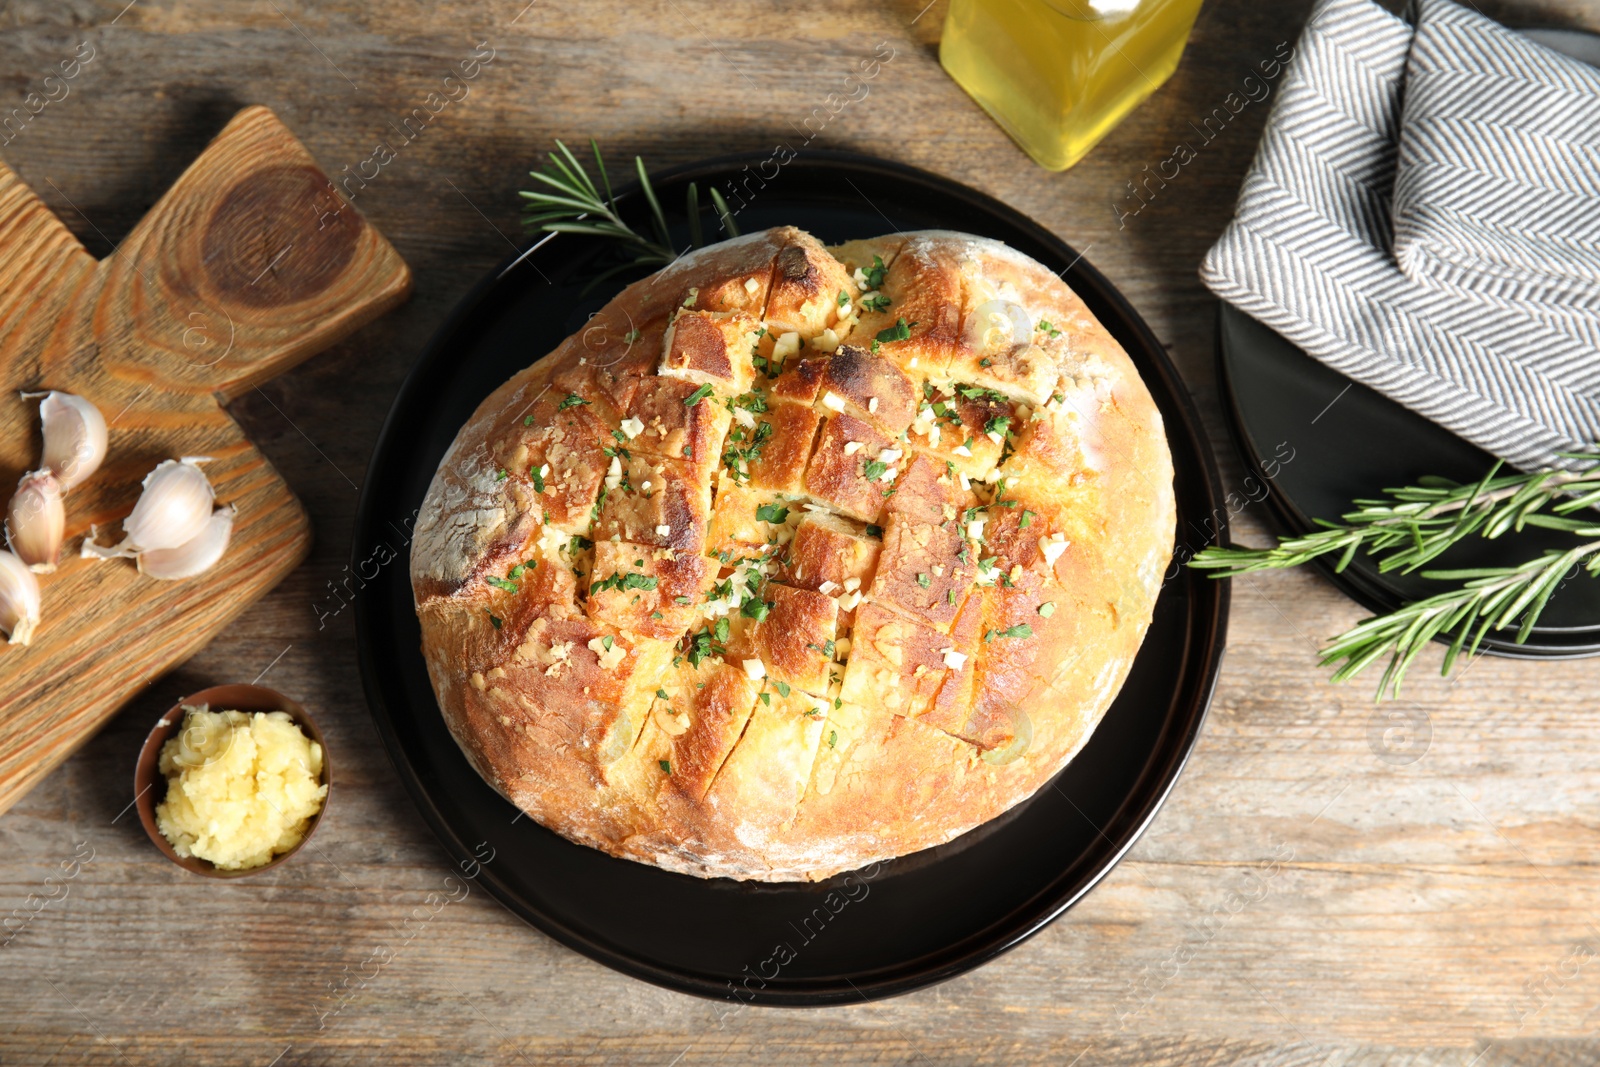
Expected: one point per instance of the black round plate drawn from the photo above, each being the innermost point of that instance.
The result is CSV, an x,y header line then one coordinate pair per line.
x,y
889,929
1349,441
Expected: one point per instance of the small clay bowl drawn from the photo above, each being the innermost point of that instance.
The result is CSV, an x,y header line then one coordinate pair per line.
x,y
150,785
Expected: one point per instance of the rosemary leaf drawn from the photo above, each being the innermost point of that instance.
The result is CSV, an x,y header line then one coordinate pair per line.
x,y
605,179
657,219
692,209
724,216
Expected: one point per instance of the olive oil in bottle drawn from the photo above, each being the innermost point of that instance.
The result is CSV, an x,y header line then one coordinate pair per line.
x,y
1057,75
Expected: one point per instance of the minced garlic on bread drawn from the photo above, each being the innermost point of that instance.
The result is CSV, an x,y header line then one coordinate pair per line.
x,y
795,559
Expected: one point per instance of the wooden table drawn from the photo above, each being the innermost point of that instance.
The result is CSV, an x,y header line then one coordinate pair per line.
x,y
1306,896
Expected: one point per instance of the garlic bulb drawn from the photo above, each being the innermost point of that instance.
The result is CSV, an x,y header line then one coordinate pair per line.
x,y
194,556
36,521
172,511
74,437
19,599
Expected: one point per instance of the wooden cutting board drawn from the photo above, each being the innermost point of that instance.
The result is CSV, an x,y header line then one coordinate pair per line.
x,y
250,263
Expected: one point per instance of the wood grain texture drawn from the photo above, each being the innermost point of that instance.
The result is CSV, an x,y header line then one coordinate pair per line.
x,y
238,272
1437,912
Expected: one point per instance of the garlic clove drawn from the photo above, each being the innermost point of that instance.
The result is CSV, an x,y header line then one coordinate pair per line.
x,y
174,507
195,556
36,521
999,322
74,437
19,599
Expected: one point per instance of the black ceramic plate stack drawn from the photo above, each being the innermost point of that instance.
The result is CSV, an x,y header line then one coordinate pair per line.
x,y
913,921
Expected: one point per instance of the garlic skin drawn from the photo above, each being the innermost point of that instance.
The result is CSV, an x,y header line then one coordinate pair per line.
x,y
172,511
74,437
36,521
195,556
19,599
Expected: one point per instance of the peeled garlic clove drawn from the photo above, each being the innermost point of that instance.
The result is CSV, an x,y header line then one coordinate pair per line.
x,y
74,437
192,557
36,521
19,599
174,507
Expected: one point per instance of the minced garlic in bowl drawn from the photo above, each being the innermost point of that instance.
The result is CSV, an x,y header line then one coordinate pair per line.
x,y
242,787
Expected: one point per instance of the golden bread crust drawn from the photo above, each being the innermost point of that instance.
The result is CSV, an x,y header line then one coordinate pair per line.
x,y
797,559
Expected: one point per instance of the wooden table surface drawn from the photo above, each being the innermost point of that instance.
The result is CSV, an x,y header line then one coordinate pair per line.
x,y
1318,889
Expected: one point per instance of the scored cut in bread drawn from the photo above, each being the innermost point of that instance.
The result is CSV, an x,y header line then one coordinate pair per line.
x,y
795,558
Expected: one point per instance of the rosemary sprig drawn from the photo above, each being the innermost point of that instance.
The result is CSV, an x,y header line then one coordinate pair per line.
x,y
1421,521
1491,599
1418,523
571,202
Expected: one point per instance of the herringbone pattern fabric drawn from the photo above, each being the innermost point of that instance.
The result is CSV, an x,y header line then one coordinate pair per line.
x,y
1498,188
1311,253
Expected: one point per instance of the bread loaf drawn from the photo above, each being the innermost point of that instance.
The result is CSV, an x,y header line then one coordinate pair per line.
x,y
797,558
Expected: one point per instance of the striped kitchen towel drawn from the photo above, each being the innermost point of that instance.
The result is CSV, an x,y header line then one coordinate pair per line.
x,y
1310,253
1498,187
